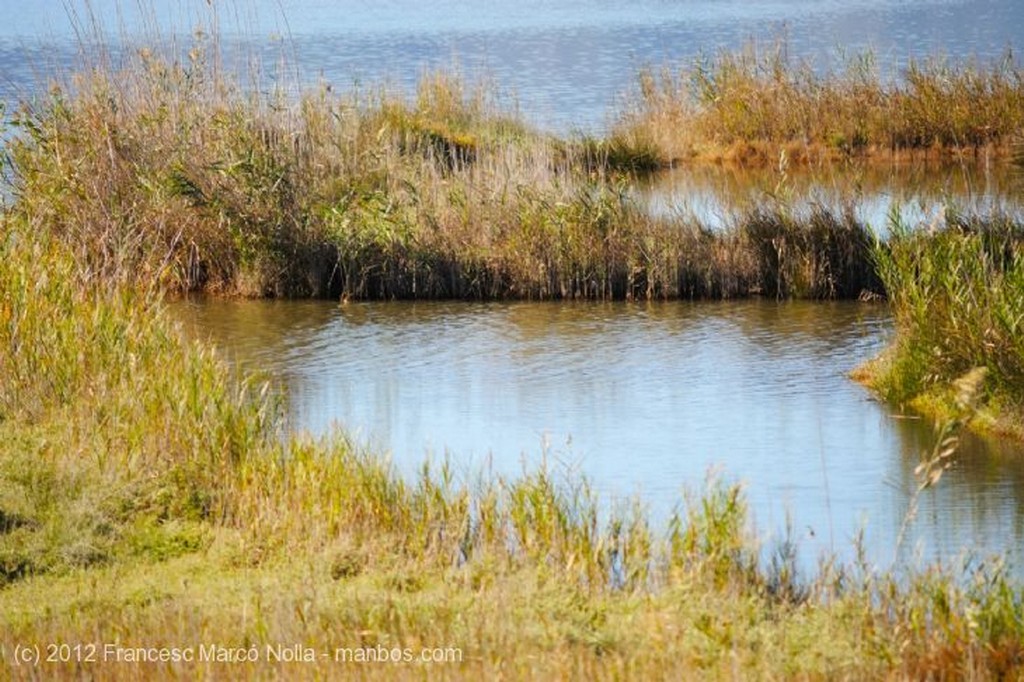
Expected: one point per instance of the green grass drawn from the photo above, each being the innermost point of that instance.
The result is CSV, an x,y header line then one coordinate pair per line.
x,y
957,296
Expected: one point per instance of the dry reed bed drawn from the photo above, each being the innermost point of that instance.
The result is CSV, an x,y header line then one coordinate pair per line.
x,y
171,177
750,107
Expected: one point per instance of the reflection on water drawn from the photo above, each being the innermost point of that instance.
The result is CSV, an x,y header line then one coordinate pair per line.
x,y
716,194
640,398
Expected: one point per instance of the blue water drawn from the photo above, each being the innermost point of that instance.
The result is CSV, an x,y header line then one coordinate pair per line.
x,y
564,64
642,400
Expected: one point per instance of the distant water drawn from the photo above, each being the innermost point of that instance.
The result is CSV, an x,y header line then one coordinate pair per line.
x,y
563,63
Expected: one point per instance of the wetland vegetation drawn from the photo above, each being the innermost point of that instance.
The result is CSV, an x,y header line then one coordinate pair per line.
x,y
755,105
957,295
148,494
149,499
171,174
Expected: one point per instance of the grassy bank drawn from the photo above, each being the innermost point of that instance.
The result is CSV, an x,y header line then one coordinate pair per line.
x,y
752,106
147,499
957,295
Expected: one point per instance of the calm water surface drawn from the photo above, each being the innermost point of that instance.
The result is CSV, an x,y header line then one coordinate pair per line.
x,y
920,193
565,62
642,399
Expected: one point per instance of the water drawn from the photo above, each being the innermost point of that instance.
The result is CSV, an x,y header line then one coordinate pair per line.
x,y
715,195
641,399
564,63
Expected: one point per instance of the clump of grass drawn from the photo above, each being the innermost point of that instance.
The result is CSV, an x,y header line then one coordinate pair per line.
x,y
822,256
746,107
626,152
169,173
957,295
99,451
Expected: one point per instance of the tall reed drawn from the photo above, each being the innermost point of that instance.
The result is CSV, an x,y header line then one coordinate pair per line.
x,y
748,107
169,175
957,295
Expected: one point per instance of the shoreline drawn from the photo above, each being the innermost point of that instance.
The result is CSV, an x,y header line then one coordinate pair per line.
x,y
939,403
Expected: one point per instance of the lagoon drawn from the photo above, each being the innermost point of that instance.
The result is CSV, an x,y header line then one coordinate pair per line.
x,y
564,65
644,400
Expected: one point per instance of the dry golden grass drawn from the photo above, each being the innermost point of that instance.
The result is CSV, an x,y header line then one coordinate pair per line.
x,y
751,107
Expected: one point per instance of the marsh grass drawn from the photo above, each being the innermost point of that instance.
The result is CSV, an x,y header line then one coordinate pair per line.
x,y
957,299
751,106
148,493
168,175
957,296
